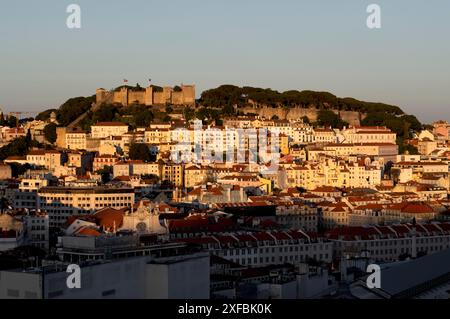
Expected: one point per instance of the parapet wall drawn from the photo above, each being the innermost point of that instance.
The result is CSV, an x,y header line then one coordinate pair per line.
x,y
148,96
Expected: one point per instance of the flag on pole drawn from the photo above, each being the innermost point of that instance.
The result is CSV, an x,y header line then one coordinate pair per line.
x,y
125,80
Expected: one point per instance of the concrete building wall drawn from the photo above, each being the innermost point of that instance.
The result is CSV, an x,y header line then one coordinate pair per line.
x,y
17,285
183,279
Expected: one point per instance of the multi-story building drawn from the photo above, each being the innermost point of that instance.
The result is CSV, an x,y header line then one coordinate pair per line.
x,y
62,202
261,249
107,129
12,234
37,229
100,161
298,216
13,133
325,135
172,173
148,276
49,159
135,167
442,128
368,134
391,213
76,140
70,138
331,172
385,151
196,175
157,136
390,243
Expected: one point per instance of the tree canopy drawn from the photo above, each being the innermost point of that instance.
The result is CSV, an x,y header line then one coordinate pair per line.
x,y
329,118
401,125
73,108
50,132
233,95
45,115
139,151
18,147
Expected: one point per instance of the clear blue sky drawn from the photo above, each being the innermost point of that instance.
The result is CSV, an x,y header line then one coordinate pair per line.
x,y
311,44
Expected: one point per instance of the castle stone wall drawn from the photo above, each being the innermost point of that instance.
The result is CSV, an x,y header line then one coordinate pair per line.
x,y
296,113
148,96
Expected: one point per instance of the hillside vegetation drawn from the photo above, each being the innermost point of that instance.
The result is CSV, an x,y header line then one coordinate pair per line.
x,y
220,102
232,95
377,114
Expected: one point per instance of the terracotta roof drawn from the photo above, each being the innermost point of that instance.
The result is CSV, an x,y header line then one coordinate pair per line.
x,y
89,232
109,218
110,124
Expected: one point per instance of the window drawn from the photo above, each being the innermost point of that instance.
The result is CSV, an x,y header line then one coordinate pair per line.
x,y
13,293
55,294
109,292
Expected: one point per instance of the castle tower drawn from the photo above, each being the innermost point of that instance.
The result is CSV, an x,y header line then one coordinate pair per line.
x,y
100,95
167,93
149,96
188,94
124,96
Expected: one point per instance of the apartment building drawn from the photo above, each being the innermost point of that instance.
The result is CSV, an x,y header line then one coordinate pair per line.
x,y
368,134
49,159
172,173
266,248
297,216
135,167
195,175
330,173
107,129
72,139
37,229
76,140
376,150
157,136
62,202
390,243
100,161
325,135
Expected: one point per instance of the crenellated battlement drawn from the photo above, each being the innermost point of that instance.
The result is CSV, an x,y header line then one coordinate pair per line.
x,y
183,95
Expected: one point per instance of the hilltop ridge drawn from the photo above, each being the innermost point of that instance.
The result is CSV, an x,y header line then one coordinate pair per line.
x,y
321,108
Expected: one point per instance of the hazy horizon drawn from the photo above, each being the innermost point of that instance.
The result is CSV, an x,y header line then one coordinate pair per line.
x,y
283,45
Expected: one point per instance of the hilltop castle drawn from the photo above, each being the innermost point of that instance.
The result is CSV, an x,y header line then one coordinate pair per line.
x,y
184,95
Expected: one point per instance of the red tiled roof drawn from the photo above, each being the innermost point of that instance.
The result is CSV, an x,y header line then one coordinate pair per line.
x,y
197,223
89,232
263,236
297,234
246,238
281,236
110,124
226,239
326,189
109,218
